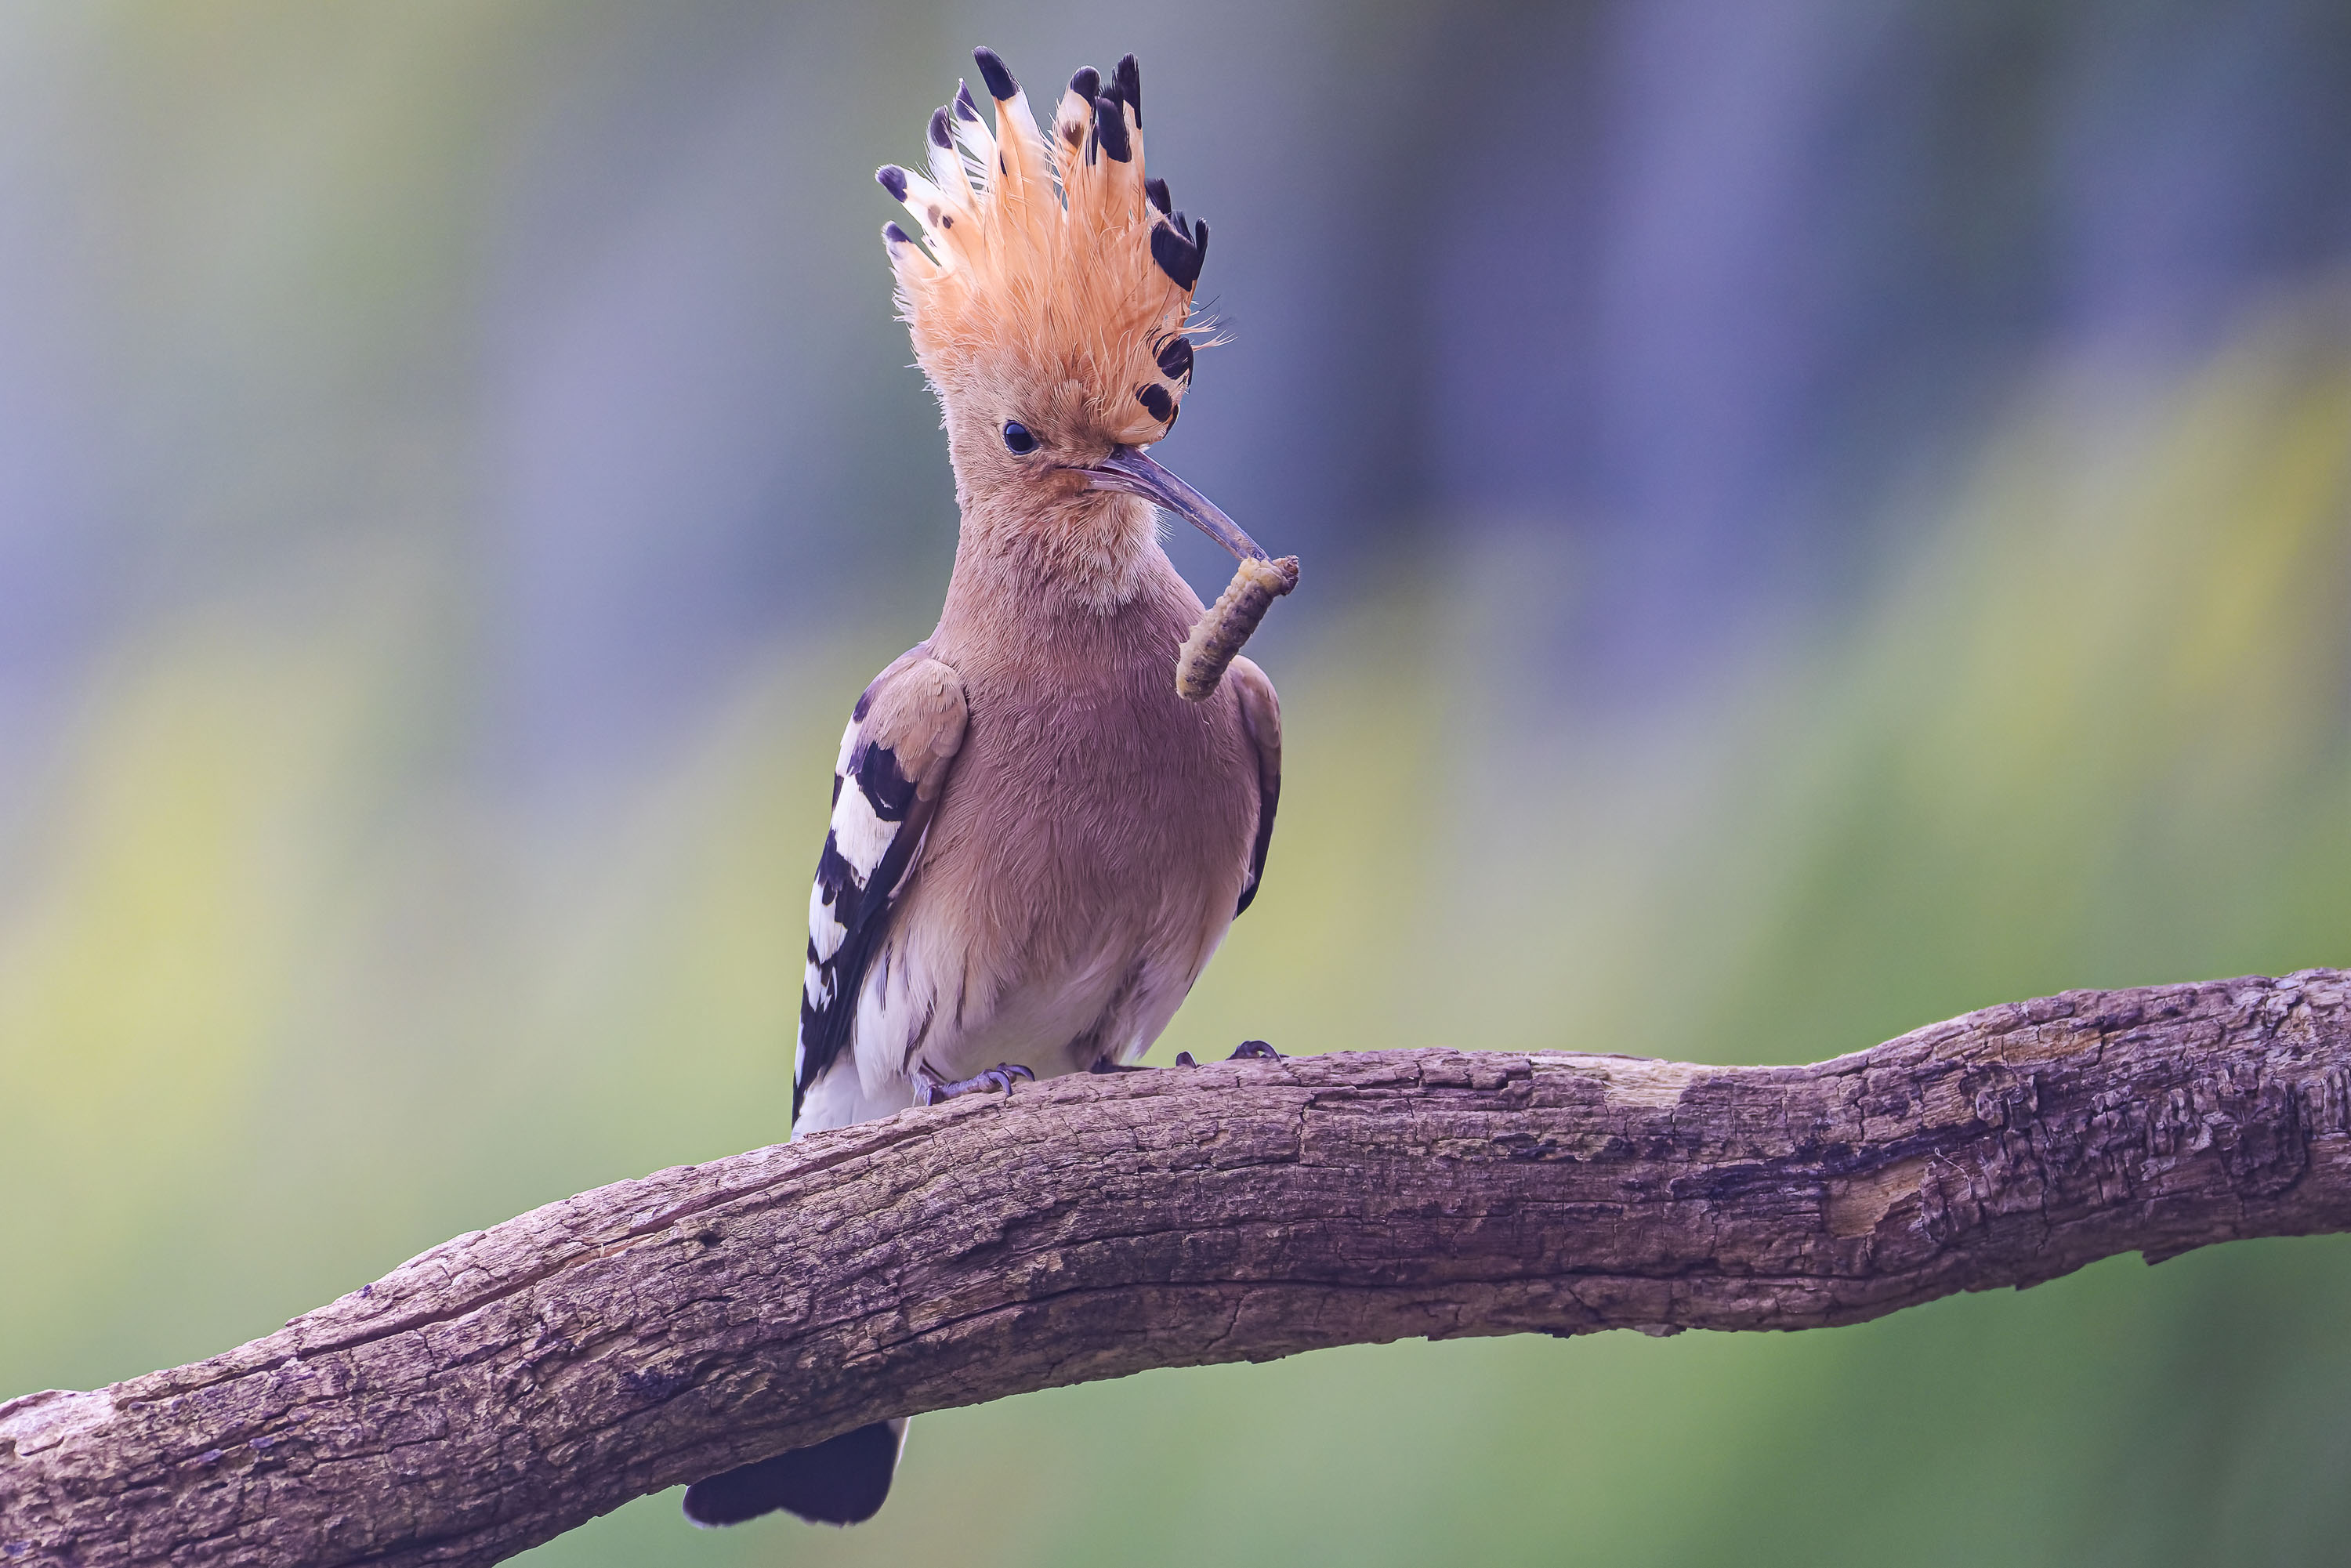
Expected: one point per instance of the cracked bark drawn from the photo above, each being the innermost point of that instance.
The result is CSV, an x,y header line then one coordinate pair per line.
x,y
514,1382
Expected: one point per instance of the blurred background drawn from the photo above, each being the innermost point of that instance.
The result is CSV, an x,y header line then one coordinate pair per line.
x,y
1817,516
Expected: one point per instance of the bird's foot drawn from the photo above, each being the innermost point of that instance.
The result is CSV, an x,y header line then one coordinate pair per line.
x,y
1254,1051
1183,1059
929,1091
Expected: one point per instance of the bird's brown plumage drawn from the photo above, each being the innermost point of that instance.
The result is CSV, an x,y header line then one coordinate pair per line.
x,y
1094,837
1036,842
1093,834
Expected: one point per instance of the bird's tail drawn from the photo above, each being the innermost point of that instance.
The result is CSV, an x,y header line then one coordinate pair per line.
x,y
842,1480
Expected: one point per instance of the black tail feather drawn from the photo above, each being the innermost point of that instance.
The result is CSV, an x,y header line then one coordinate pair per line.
x,y
842,1480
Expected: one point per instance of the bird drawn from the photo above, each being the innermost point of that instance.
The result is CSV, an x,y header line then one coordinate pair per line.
x,y
1037,843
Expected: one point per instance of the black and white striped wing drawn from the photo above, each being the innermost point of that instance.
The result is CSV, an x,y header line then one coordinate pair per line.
x,y
895,757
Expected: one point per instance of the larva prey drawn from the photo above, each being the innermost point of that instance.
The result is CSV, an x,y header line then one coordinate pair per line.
x,y
1228,623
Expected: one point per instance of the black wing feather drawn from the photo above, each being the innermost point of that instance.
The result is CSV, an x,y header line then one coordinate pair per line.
x,y
1268,796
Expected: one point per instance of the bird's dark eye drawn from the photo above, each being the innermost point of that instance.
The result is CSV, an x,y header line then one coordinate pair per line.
x,y
1017,439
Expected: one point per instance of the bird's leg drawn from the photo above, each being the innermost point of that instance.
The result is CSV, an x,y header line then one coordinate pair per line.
x,y
930,1091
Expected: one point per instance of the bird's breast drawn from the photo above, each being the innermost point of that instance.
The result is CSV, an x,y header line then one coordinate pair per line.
x,y
1090,803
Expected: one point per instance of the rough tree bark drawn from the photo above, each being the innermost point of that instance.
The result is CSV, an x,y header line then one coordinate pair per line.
x,y
511,1384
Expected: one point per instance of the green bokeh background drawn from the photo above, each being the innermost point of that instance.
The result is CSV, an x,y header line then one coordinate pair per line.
x,y
321,942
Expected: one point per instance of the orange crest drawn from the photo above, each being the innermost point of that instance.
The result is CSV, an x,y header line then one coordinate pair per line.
x,y
1050,264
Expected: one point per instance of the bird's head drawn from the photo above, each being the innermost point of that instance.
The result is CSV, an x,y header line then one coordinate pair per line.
x,y
1050,298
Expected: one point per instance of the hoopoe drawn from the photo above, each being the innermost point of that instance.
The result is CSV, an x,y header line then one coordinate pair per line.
x,y
1036,842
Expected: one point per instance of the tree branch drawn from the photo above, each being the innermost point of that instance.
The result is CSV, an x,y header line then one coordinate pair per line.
x,y
516,1382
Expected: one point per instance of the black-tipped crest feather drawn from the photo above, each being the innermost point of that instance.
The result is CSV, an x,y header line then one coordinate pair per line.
x,y
998,80
1176,257
1110,125
1128,75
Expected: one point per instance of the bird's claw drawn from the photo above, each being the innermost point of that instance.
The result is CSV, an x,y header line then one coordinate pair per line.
x,y
1250,1051
929,1091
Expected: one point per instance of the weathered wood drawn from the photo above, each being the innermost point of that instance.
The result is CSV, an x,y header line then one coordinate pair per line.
x,y
511,1384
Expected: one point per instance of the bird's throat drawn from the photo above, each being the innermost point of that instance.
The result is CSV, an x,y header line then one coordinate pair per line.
x,y
1088,554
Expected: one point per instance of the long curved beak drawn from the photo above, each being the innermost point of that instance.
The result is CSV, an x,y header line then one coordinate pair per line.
x,y
1126,468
